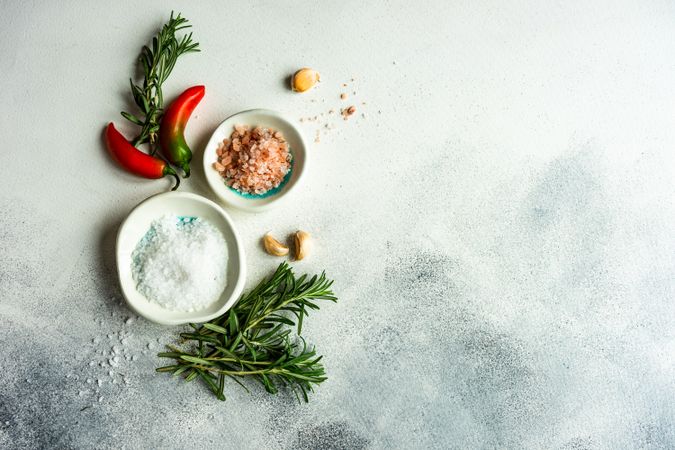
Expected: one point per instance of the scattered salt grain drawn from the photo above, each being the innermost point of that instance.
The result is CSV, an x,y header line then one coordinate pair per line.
x,y
346,112
181,263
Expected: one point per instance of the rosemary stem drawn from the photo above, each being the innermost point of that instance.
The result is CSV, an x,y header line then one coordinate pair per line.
x,y
253,340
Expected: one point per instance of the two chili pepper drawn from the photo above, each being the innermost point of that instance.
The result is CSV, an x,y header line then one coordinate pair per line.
x,y
171,138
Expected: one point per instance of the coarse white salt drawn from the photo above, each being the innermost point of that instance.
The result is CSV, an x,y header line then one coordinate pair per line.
x,y
181,263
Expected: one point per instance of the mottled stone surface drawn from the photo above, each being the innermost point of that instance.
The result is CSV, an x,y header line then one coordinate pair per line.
x,y
498,222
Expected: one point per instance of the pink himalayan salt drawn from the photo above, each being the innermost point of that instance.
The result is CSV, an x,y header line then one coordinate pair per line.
x,y
253,161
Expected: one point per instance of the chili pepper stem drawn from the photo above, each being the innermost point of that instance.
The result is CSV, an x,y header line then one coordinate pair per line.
x,y
170,171
175,175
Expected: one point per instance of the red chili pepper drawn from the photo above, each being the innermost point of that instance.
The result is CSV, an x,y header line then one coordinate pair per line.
x,y
134,160
171,130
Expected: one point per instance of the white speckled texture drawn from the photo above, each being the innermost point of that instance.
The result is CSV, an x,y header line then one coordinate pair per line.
x,y
499,224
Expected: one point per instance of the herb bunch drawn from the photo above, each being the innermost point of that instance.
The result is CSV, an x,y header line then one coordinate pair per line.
x,y
157,63
253,339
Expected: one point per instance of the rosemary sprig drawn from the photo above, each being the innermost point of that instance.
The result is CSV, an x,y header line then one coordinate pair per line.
x,y
253,339
157,63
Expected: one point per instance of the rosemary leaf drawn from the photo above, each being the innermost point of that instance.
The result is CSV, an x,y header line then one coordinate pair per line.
x,y
253,339
156,64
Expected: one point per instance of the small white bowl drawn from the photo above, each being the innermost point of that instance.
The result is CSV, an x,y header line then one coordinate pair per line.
x,y
264,118
136,225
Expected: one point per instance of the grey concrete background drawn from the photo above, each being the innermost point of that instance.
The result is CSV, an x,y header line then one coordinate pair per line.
x,y
499,223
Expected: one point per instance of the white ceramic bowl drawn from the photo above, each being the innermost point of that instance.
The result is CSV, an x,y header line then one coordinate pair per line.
x,y
137,224
255,117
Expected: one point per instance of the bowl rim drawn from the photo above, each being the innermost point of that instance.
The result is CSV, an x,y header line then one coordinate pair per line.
x,y
243,203
241,260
